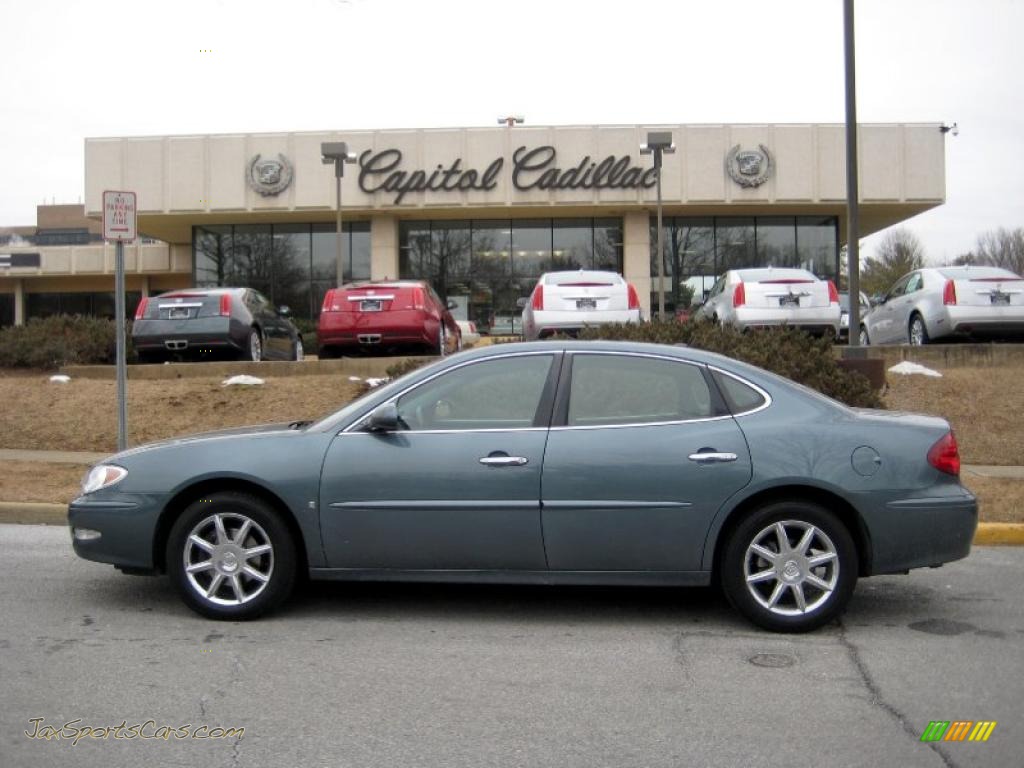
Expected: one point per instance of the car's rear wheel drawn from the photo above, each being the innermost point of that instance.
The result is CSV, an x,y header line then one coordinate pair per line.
x,y
231,557
865,340
918,331
790,566
254,346
151,356
298,352
442,342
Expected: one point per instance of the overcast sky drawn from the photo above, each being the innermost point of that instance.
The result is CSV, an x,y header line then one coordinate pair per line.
x,y
130,67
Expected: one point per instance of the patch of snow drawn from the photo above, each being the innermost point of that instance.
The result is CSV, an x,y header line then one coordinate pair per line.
x,y
354,378
907,369
377,382
60,379
245,380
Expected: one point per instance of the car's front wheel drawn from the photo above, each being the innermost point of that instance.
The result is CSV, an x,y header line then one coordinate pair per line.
x,y
298,352
790,566
918,331
231,557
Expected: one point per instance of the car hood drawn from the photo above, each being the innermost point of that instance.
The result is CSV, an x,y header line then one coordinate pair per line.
x,y
203,437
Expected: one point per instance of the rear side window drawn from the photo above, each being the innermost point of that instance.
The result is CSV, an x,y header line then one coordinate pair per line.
x,y
740,397
620,389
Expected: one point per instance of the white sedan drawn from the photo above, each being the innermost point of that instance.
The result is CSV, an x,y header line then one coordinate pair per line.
x,y
470,335
565,302
756,298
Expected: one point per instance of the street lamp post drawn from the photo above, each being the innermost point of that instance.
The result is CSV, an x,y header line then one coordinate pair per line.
x,y
659,143
336,152
852,194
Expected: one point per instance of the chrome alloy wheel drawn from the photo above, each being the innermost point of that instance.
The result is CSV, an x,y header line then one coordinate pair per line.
x,y
228,559
791,568
918,334
255,346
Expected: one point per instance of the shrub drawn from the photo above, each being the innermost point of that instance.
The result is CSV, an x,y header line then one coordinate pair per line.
x,y
786,351
53,342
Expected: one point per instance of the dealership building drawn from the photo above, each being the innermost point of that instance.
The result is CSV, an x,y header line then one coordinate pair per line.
x,y
479,212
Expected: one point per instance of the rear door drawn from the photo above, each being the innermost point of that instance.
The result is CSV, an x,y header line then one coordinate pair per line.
x,y
639,459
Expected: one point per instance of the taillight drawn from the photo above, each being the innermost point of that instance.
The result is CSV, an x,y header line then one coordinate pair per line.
x,y
328,298
945,455
949,293
225,305
833,294
538,297
634,299
418,300
140,311
739,295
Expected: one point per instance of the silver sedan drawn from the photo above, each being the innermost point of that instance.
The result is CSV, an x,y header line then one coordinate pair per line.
x,y
932,303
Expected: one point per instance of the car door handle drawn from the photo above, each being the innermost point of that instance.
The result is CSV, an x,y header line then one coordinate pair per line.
x,y
504,461
711,457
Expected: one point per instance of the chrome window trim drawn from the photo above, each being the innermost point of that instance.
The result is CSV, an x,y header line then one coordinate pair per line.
x,y
446,431
353,427
636,424
760,390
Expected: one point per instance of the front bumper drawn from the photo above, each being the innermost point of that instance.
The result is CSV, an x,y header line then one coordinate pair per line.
x,y
127,526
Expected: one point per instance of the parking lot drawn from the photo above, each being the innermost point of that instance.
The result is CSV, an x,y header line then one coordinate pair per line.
x,y
409,675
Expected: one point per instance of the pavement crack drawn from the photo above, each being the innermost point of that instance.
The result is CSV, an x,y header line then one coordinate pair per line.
x,y
879,701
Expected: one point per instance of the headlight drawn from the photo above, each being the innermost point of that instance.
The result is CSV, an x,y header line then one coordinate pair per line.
x,y
102,476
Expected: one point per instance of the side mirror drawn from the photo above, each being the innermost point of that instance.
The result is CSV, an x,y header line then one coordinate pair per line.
x,y
452,304
877,300
284,310
521,302
383,418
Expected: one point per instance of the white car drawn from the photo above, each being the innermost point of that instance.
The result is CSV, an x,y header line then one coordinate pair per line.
x,y
565,302
756,298
470,335
935,302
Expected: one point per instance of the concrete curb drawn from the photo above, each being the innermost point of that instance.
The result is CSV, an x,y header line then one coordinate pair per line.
x,y
27,513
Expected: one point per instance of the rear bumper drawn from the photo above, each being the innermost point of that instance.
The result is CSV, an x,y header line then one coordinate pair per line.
x,y
189,335
814,319
355,329
982,320
918,532
547,322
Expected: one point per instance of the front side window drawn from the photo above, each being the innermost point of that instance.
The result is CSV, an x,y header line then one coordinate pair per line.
x,y
494,394
620,389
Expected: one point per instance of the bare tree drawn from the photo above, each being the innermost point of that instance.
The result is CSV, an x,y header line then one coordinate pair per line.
x,y
1001,248
899,252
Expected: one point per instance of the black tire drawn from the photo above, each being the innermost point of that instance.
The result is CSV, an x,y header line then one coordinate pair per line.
x,y
151,356
278,565
915,336
328,353
791,575
253,351
865,339
298,351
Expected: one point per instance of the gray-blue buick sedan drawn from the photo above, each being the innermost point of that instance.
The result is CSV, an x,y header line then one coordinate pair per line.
x,y
546,463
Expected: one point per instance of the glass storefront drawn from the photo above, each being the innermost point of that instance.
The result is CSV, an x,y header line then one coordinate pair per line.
x,y
87,304
486,266
696,251
291,264
6,309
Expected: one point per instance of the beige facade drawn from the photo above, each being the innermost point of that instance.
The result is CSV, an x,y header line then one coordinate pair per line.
x,y
489,173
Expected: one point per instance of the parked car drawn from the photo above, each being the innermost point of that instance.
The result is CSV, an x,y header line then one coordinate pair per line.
x,y
468,332
936,302
199,322
844,309
577,462
757,298
565,302
386,316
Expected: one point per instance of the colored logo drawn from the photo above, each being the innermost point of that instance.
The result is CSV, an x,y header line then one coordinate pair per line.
x,y
958,730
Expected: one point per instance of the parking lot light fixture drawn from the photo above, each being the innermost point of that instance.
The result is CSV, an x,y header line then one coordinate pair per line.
x,y
336,152
659,143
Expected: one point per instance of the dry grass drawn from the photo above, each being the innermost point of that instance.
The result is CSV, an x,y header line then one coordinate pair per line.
x,y
999,500
82,415
984,405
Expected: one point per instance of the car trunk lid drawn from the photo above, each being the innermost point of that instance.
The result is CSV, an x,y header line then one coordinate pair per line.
x,y
585,292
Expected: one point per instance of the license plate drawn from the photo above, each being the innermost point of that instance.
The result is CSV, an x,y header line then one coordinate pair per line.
x,y
1000,299
370,305
586,304
177,313
789,301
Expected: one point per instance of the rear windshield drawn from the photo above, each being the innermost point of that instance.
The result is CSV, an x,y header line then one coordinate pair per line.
x,y
583,278
775,276
978,273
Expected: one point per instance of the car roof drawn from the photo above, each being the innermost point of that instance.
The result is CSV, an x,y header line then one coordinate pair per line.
x,y
774,273
580,275
977,273
381,284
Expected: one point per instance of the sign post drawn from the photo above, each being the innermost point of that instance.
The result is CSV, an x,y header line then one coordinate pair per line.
x,y
119,226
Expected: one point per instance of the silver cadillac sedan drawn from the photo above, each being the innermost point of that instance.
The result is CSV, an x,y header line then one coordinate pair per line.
x,y
561,462
935,302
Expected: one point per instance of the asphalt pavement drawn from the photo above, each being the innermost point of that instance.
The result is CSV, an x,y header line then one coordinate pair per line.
x,y
468,676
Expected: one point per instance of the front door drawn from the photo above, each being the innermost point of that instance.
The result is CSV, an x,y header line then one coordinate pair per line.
x,y
637,464
458,486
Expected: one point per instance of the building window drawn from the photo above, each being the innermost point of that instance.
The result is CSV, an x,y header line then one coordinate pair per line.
x,y
291,264
6,309
86,304
699,250
486,266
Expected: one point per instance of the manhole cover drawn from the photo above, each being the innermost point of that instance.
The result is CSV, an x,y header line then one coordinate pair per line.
x,y
772,660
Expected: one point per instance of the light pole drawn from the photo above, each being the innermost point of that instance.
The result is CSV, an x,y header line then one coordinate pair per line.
x,y
336,152
852,195
659,143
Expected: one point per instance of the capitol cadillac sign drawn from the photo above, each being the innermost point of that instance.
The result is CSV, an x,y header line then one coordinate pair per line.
x,y
531,168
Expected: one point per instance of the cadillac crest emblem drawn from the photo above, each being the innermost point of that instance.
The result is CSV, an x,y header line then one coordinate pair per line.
x,y
749,167
269,177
